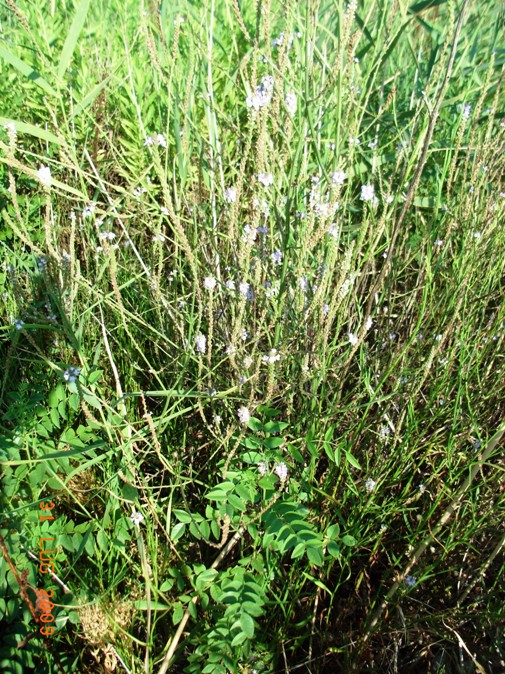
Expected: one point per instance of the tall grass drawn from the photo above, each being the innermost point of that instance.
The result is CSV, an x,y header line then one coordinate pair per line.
x,y
253,337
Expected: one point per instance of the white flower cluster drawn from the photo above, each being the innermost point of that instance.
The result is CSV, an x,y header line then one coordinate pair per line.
x,y
243,415
209,283
281,470
88,211
158,139
262,95
200,343
338,177
367,193
291,103
44,175
272,357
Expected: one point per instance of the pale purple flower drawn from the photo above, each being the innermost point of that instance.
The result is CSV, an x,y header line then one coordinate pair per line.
x,y
110,236
137,517
18,323
160,140
266,179
410,581
353,339
71,374
209,283
277,42
333,230
277,256
230,195
250,233
263,94
262,468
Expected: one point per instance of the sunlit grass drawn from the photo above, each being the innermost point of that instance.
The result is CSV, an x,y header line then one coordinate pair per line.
x,y
253,333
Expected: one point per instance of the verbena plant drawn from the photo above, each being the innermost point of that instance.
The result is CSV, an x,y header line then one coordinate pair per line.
x,y
253,339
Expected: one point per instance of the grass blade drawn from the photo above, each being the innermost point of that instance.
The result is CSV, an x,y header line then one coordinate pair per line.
x,y
72,37
26,70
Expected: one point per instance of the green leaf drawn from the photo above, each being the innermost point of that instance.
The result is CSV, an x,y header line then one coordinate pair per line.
x,y
94,376
27,71
56,396
333,531
102,540
182,515
352,460
247,625
268,411
178,613
333,549
255,425
236,502
192,610
273,443
315,555
177,531
72,37
348,540
239,639
275,426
